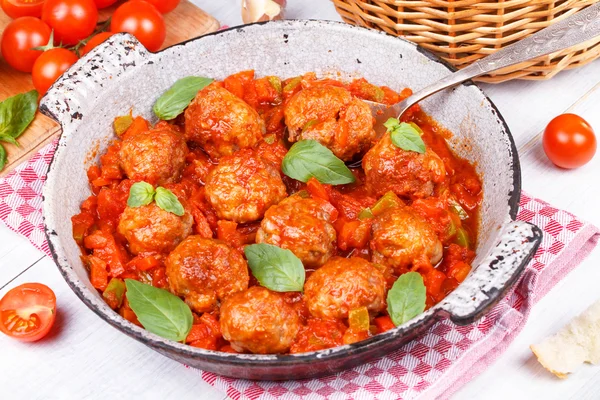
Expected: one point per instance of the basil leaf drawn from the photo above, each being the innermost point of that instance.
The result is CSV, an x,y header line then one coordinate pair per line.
x,y
9,139
405,136
159,311
140,194
166,200
275,268
16,113
406,298
178,97
309,158
3,157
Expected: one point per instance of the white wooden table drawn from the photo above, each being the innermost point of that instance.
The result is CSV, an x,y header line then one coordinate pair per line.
x,y
86,358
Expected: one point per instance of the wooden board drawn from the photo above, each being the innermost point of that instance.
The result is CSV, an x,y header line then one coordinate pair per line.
x,y
185,22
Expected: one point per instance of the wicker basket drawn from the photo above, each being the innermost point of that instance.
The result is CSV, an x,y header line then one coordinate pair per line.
x,y
462,31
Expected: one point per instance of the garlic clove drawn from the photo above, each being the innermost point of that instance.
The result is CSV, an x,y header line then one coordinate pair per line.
x,y
262,10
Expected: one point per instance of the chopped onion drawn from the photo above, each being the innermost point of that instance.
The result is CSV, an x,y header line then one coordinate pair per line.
x,y
262,10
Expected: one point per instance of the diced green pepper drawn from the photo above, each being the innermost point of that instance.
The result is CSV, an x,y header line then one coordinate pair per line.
x,y
358,319
451,228
365,214
457,209
113,294
276,83
387,201
291,85
122,123
462,238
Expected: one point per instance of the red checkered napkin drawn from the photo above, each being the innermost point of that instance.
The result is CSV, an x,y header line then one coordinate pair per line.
x,y
435,365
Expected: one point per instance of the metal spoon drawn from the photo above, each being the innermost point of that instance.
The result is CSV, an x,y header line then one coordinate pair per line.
x,y
573,30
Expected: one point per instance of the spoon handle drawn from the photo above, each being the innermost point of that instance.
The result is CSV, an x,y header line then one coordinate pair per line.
x,y
575,29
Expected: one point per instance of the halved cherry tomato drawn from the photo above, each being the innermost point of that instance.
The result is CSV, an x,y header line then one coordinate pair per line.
x,y
569,141
27,312
143,21
20,37
22,8
49,66
72,20
164,6
95,41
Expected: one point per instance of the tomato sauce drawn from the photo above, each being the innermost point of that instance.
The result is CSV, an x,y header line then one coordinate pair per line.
x,y
452,211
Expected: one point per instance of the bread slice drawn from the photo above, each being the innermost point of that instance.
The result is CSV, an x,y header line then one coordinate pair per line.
x,y
573,345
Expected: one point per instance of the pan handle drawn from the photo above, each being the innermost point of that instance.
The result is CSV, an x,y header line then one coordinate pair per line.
x,y
69,97
496,273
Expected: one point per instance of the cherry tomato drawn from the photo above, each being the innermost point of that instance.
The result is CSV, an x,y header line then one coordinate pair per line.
x,y
27,312
19,37
22,8
143,21
72,20
49,66
104,3
569,141
95,41
164,6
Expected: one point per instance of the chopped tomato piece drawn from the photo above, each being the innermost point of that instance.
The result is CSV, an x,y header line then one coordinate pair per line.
x,y
98,272
107,249
384,324
318,190
81,226
143,262
355,234
459,271
138,125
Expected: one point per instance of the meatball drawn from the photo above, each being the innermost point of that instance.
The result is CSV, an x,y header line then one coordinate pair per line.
x,y
406,173
400,236
302,226
333,117
343,284
243,186
259,321
205,271
221,122
156,156
151,229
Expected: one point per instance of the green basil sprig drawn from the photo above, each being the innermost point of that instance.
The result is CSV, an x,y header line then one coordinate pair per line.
x,y
178,97
142,194
159,311
16,113
275,268
405,136
309,158
166,200
406,298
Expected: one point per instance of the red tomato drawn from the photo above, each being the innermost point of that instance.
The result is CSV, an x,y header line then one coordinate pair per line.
x,y
72,20
569,141
95,41
27,312
143,21
19,37
104,3
164,6
22,8
49,66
